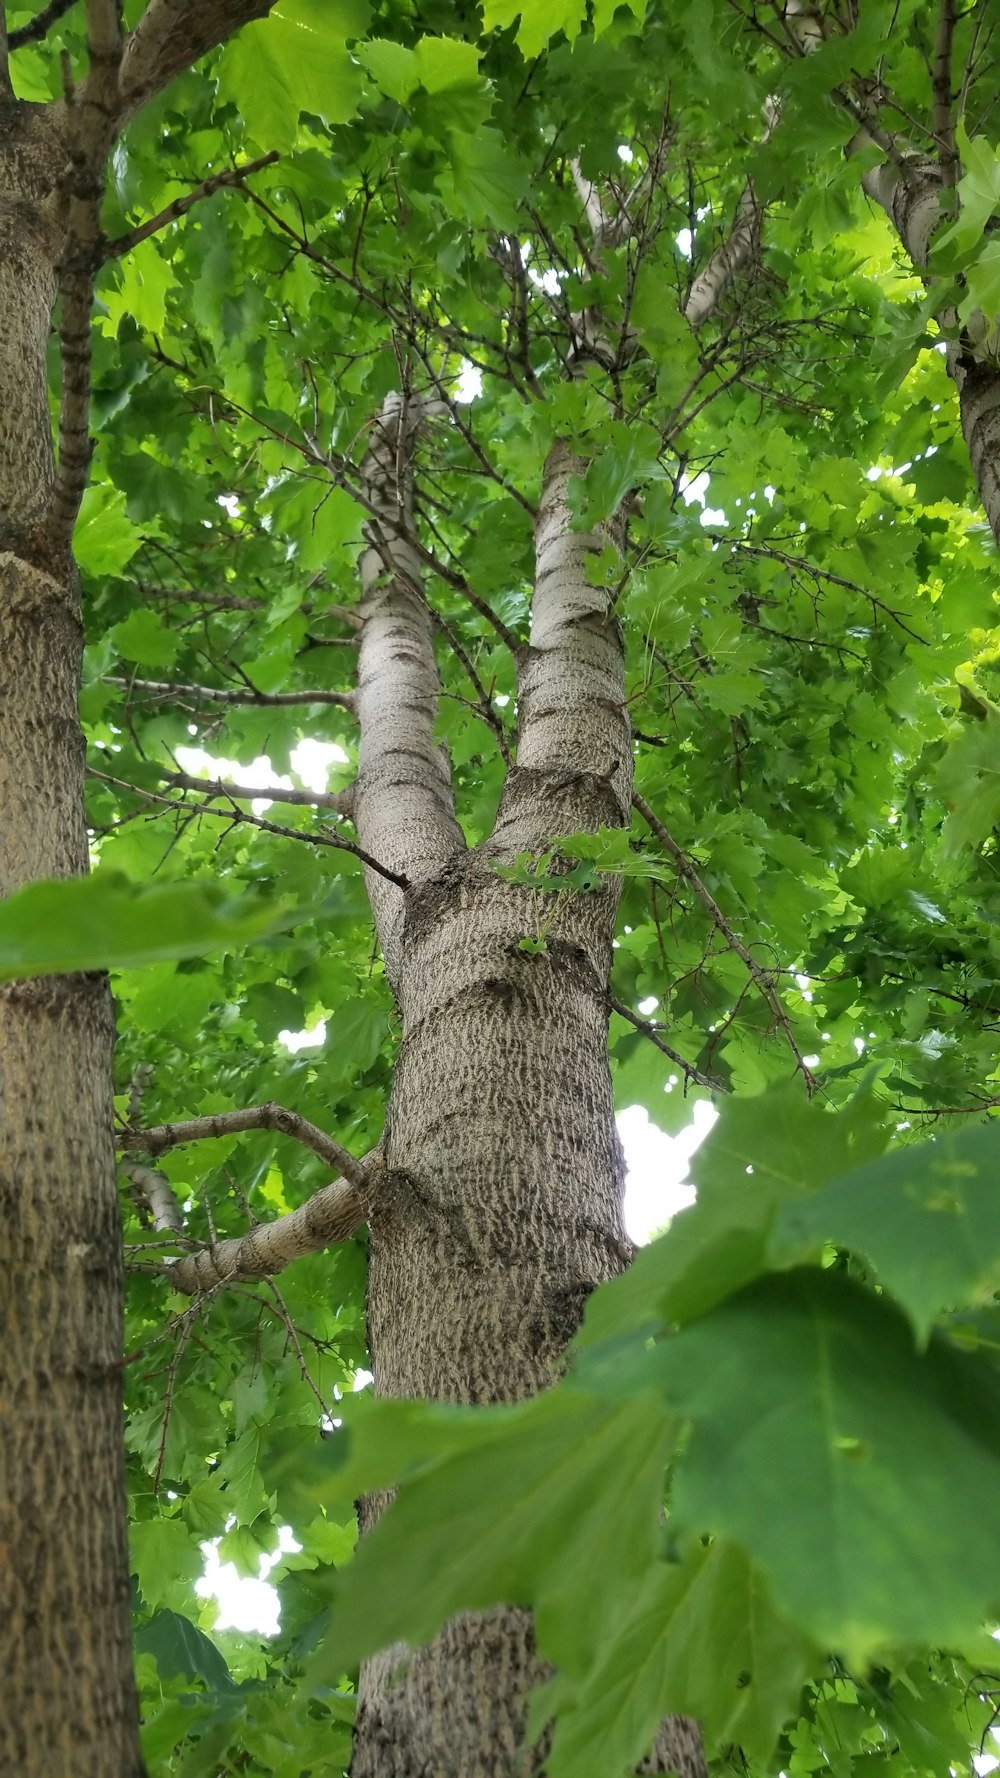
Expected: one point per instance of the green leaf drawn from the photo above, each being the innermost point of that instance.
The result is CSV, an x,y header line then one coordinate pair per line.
x,y
701,1638
295,60
927,1217
393,67
763,1151
105,922
525,1513
539,21
179,1647
836,1474
165,1558
104,539
145,637
484,182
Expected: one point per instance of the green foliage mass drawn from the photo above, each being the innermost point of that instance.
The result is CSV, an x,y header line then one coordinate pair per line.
x,y
803,1370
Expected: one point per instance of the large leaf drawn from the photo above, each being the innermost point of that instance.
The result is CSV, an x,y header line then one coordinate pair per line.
x,y
927,1217
105,922
834,1454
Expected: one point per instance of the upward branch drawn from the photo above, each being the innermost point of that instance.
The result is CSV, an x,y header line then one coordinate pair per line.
x,y
403,805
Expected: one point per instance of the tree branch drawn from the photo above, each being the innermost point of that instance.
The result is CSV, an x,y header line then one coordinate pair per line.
x,y
174,34
944,132
231,176
650,1029
403,807
237,817
214,694
340,801
158,1195
252,1117
760,977
332,1214
40,25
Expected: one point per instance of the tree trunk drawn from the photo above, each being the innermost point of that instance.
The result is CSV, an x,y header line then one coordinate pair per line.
x,y
501,1206
69,1708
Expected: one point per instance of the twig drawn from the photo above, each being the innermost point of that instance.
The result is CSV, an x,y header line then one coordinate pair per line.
x,y
180,206
650,1029
236,816
40,25
214,694
760,977
949,1110
340,801
252,1117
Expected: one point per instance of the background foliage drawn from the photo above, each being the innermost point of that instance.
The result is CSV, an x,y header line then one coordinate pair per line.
x,y
812,637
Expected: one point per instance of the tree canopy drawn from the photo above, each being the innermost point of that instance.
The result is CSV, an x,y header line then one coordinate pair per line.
x,y
675,238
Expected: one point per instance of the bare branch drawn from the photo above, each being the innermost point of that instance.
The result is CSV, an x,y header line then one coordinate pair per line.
x,y
340,801
650,1029
231,176
40,25
215,694
157,1195
760,977
332,1214
251,1117
236,817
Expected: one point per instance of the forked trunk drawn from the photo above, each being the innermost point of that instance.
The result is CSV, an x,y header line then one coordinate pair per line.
x,y
501,1207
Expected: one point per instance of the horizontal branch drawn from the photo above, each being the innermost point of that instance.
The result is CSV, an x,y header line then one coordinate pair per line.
x,y
252,1117
180,206
237,817
760,977
214,694
332,1214
340,801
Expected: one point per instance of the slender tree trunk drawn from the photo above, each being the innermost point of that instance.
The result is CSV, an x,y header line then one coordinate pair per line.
x,y
69,1708
501,1207
910,194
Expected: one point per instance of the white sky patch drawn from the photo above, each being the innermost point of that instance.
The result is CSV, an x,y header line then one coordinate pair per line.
x,y
304,1040
311,761
244,1603
694,488
685,242
656,1185
470,382
231,502
625,152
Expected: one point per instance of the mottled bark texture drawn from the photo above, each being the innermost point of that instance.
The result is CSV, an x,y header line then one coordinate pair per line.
x,y
69,1708
501,1205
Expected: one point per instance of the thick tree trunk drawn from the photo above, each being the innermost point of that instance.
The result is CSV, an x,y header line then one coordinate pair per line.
x,y
69,1708
501,1207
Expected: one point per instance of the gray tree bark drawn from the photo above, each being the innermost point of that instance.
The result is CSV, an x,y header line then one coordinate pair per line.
x,y
69,1705
501,1207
